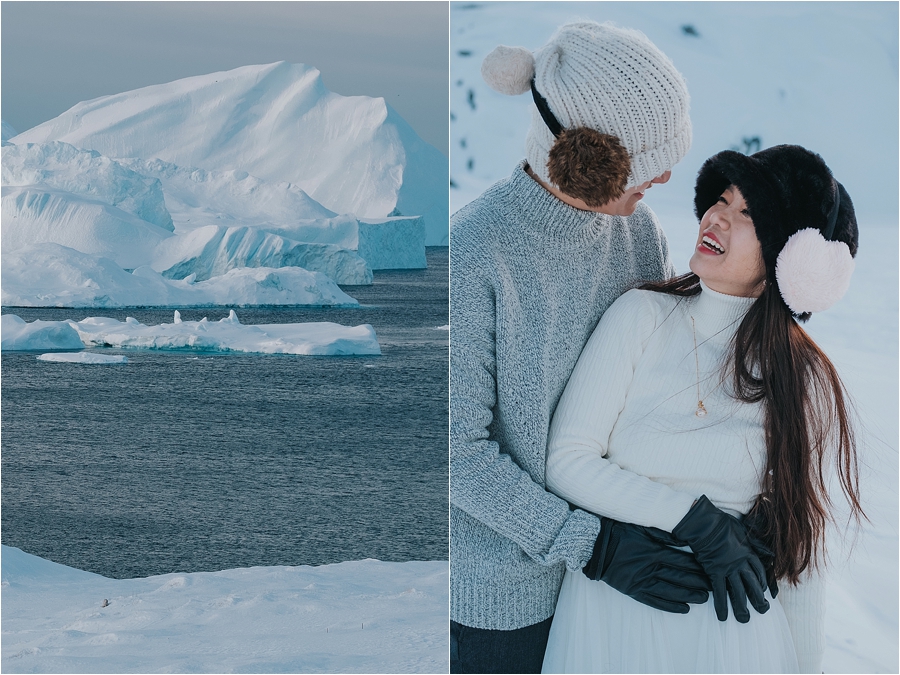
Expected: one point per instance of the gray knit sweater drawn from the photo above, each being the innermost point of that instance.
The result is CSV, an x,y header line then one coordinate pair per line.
x,y
530,277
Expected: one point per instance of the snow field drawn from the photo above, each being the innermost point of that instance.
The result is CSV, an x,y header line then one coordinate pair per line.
x,y
360,616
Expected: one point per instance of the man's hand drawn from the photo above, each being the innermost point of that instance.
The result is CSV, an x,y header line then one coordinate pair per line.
x,y
641,563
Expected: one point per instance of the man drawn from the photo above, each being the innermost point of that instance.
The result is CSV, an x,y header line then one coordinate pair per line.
x,y
534,263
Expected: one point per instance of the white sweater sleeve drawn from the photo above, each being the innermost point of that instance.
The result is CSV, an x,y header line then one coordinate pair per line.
x,y
804,607
577,468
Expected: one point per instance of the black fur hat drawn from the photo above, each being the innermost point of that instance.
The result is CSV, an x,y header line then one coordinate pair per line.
x,y
789,190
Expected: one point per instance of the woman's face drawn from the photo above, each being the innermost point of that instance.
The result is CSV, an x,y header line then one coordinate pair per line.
x,y
728,257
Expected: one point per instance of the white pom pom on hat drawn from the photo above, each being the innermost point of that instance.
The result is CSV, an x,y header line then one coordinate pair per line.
x,y
508,70
812,273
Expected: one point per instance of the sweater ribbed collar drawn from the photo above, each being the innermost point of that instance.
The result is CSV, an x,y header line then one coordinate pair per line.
x,y
716,315
531,208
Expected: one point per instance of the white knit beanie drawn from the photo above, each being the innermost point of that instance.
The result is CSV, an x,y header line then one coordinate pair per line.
x,y
610,79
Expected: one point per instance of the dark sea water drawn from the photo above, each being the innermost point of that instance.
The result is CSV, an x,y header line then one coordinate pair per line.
x,y
190,462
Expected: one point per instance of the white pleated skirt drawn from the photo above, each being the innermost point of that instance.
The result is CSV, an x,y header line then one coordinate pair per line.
x,y
596,629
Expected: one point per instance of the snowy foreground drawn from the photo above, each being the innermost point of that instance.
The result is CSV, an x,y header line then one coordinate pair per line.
x,y
318,338
361,616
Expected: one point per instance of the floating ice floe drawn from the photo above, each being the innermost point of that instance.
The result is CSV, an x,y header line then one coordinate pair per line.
x,y
18,335
89,358
228,334
50,275
320,338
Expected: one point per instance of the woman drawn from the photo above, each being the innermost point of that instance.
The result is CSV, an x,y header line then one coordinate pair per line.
x,y
701,399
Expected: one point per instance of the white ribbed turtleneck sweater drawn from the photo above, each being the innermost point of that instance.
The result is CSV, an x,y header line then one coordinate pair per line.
x,y
625,441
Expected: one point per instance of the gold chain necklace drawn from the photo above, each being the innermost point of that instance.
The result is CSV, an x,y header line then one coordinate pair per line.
x,y
701,409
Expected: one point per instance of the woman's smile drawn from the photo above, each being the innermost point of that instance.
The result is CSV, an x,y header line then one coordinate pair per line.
x,y
710,245
728,257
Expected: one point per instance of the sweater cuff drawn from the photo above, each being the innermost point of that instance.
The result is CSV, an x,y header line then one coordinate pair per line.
x,y
575,542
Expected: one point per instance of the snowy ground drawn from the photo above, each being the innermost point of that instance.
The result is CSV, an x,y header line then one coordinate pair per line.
x,y
364,616
783,73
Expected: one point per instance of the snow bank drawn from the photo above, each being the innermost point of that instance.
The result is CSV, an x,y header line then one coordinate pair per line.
x,y
17,335
88,358
50,275
361,616
276,122
228,334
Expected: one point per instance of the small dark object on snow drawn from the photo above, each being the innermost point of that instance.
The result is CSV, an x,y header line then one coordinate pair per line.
x,y
688,29
105,603
464,52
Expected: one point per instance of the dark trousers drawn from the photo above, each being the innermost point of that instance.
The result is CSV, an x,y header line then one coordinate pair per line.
x,y
478,650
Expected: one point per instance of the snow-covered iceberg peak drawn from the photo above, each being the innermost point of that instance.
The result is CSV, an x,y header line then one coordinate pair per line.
x,y
6,131
86,173
352,154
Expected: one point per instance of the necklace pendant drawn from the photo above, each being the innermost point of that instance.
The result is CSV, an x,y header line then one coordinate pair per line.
x,y
701,411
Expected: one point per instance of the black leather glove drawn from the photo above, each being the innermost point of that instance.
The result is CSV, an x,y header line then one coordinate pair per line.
x,y
753,522
722,547
641,563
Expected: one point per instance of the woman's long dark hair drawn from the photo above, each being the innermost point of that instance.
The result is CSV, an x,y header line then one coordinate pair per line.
x,y
807,423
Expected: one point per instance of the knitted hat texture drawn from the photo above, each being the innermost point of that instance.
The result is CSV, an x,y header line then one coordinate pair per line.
x,y
606,78
791,195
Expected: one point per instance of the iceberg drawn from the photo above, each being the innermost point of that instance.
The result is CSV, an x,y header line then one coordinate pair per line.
x,y
197,197
54,192
321,338
18,335
384,243
87,358
214,250
51,275
37,215
86,173
277,122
